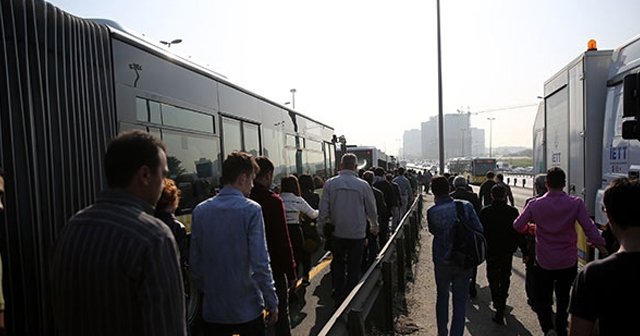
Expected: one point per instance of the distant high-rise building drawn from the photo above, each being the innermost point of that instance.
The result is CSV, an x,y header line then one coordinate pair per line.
x,y
477,142
457,137
411,144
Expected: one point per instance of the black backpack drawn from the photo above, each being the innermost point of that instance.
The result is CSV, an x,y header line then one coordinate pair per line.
x,y
469,245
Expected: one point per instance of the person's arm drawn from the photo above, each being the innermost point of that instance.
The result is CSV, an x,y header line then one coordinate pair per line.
x,y
520,224
580,327
473,217
259,259
306,209
161,291
195,250
510,195
277,213
325,210
370,208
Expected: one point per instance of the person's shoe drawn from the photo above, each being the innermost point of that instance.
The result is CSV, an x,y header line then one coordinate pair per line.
x,y
498,318
473,292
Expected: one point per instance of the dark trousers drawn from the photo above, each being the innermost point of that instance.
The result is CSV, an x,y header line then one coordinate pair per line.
x,y
370,252
548,281
297,243
383,234
499,277
283,326
251,328
346,263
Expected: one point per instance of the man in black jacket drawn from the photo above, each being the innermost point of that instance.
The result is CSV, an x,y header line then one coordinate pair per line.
x,y
391,200
502,240
373,245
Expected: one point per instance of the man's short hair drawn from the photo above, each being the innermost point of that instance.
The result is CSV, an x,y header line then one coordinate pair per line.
x,y
236,164
459,181
265,165
379,171
539,183
349,161
500,177
490,174
621,202
556,178
401,171
129,151
498,191
368,176
440,186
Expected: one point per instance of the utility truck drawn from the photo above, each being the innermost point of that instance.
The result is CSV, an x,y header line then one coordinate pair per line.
x,y
588,124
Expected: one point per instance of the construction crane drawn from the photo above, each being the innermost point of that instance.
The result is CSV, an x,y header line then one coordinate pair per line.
x,y
469,113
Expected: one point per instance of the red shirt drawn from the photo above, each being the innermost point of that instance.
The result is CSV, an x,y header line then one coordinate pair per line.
x,y
276,231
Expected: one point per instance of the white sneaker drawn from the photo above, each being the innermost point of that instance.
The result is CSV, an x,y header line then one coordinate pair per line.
x,y
551,333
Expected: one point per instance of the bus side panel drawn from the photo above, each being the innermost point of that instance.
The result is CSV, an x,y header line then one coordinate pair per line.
x,y
56,115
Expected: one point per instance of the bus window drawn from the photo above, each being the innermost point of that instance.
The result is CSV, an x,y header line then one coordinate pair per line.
x,y
193,162
231,135
251,138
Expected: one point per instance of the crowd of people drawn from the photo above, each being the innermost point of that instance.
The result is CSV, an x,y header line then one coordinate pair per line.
x,y
546,234
120,265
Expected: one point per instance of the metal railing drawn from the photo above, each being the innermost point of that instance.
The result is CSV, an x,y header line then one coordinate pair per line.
x,y
370,305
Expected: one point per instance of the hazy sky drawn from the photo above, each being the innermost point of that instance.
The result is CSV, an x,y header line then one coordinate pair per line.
x,y
369,68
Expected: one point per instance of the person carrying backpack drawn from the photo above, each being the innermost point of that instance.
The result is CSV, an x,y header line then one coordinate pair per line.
x,y
443,221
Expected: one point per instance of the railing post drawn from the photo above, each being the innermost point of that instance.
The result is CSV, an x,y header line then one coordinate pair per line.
x,y
355,323
388,296
400,261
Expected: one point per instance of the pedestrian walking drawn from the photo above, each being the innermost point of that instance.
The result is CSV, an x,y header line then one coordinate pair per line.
x,y
115,268
507,188
529,254
165,211
347,203
554,215
502,240
229,255
405,190
606,293
278,242
442,218
485,188
373,243
391,201
462,192
427,176
294,207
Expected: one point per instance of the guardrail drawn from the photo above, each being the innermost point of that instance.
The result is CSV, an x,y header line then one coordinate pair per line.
x,y
370,305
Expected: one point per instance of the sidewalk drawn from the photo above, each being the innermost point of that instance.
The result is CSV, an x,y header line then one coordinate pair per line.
x,y
421,300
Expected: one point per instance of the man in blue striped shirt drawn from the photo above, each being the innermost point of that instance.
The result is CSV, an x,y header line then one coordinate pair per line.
x,y
115,267
229,258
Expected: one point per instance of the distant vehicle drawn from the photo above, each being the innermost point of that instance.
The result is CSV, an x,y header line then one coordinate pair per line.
x,y
473,169
370,156
572,132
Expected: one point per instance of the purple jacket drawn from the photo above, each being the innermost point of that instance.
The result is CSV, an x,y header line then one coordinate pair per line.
x,y
555,214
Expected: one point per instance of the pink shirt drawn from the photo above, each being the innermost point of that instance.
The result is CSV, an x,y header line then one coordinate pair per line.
x,y
555,214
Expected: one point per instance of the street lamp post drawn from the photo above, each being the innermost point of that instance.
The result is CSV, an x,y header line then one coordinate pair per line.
x,y
490,135
293,98
168,44
440,113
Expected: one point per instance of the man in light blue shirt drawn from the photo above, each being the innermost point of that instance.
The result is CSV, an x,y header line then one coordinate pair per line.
x,y
229,258
347,203
405,191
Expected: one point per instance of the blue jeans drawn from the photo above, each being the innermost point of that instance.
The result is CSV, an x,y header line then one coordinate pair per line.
x,y
346,265
454,278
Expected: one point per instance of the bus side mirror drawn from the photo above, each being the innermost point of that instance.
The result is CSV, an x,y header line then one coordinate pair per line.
x,y
631,107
